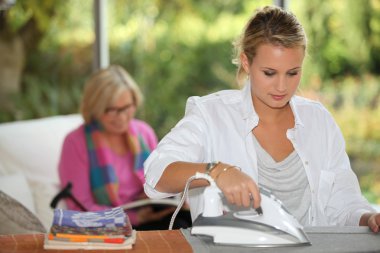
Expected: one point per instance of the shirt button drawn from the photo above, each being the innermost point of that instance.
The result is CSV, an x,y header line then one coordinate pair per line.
x,y
306,163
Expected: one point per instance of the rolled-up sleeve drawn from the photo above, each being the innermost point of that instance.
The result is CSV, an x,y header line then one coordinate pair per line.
x,y
185,142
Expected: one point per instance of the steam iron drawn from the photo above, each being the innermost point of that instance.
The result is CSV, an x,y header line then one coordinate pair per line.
x,y
275,227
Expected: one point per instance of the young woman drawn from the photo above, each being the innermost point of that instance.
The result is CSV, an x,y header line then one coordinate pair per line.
x,y
263,135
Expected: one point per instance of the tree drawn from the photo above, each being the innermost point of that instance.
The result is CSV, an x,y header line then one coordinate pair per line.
x,y
21,29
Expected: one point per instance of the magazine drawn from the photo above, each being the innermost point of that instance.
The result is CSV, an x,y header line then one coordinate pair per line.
x,y
144,202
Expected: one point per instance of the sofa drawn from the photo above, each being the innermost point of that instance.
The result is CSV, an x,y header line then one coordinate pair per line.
x,y
29,156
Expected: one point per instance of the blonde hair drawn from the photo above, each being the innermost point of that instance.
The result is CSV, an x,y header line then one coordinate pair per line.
x,y
268,25
102,89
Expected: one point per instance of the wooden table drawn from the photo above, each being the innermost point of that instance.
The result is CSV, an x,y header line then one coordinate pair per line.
x,y
160,241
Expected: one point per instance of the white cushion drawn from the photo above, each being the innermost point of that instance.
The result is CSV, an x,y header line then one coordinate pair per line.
x,y
43,194
16,186
34,146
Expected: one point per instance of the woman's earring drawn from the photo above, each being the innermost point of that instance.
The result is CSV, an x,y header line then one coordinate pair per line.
x,y
248,80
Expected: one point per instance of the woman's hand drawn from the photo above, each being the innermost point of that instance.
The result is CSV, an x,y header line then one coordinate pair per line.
x,y
374,222
142,195
147,214
237,187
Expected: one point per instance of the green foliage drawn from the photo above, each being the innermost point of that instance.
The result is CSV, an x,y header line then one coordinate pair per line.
x,y
371,187
344,36
175,56
26,9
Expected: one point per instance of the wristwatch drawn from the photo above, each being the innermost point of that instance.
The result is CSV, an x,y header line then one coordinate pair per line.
x,y
210,167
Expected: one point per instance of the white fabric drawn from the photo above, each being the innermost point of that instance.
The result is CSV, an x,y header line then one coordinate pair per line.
x,y
218,127
33,147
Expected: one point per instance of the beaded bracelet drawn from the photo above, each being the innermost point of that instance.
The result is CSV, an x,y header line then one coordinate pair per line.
x,y
225,169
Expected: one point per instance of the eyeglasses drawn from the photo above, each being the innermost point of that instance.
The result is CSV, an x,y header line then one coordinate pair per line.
x,y
115,111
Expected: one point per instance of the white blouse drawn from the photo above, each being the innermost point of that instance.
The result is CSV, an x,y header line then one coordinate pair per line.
x,y
217,127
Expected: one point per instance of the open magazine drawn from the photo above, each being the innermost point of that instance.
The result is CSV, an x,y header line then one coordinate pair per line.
x,y
144,202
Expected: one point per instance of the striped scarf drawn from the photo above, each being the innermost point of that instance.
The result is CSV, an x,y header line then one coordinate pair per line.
x,y
103,180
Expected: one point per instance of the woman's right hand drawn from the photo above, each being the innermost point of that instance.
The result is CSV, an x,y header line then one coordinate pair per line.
x,y
237,187
147,214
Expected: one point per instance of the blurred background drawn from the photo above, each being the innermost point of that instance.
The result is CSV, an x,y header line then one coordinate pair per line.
x,y
180,48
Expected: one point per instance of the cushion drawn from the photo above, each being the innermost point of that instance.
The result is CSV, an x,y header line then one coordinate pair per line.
x,y
43,194
34,146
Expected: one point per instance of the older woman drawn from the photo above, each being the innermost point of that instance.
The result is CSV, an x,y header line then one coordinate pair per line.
x,y
103,158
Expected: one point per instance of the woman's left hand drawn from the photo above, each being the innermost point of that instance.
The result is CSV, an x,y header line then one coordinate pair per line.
x,y
374,222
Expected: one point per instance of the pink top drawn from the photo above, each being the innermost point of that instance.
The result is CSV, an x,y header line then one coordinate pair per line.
x,y
74,167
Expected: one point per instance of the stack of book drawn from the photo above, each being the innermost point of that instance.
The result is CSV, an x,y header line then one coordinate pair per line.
x,y
108,229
